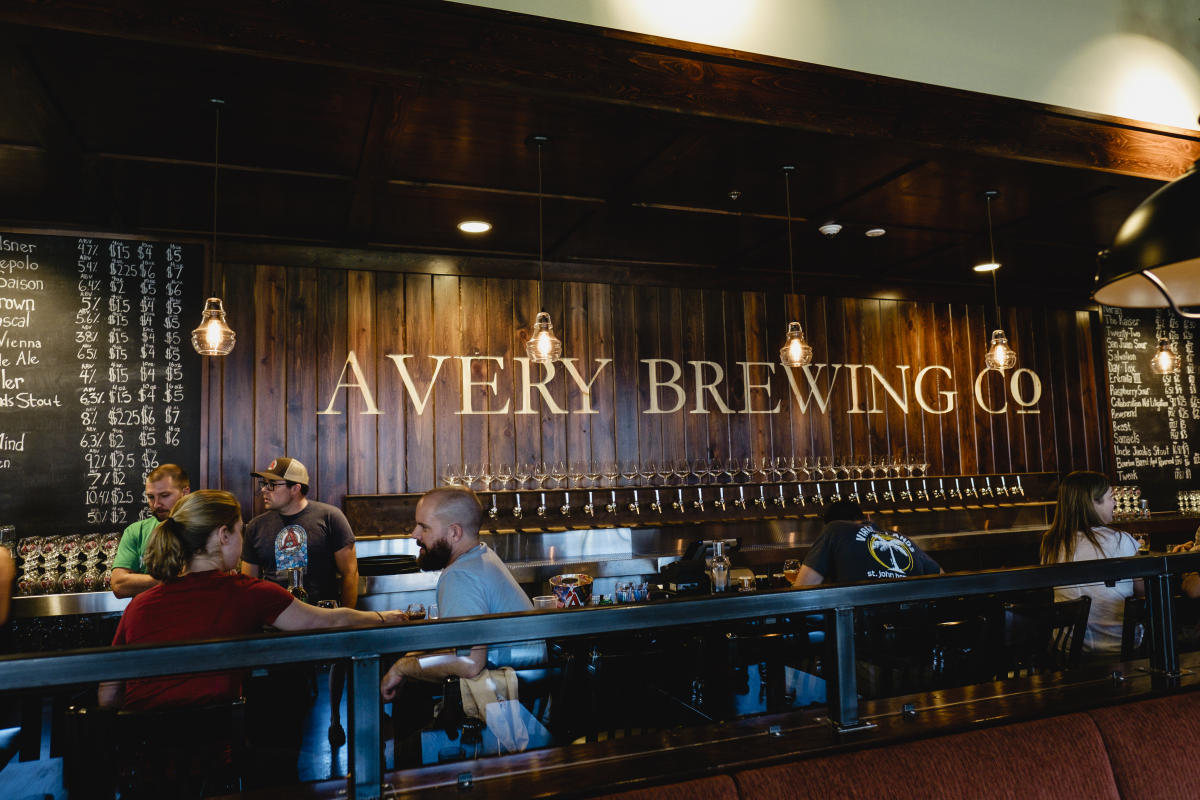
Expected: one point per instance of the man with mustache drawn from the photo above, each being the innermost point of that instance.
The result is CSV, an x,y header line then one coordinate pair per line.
x,y
164,486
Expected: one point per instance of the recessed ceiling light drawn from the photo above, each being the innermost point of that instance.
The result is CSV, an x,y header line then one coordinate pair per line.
x,y
830,229
734,194
474,226
990,266
873,233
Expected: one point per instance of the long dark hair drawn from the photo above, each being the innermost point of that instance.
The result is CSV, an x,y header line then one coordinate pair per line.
x,y
1074,515
185,532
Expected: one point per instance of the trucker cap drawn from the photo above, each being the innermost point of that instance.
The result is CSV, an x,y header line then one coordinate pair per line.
x,y
284,469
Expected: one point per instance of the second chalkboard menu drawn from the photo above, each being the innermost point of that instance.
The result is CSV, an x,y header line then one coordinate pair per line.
x,y
1155,418
99,383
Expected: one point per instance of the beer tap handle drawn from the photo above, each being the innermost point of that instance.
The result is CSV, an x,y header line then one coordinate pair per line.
x,y
780,501
970,491
517,511
1018,489
855,497
541,509
611,508
565,508
635,507
590,508
656,506
1002,489
720,501
740,502
494,511
698,503
986,491
761,500
677,503
890,495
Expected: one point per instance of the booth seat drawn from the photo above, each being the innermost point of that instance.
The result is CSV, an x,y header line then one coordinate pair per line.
x,y
1135,751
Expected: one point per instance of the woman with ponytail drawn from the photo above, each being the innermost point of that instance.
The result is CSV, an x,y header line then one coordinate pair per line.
x,y
195,553
1079,532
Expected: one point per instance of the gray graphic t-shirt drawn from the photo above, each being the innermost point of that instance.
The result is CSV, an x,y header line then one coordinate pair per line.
x,y
275,543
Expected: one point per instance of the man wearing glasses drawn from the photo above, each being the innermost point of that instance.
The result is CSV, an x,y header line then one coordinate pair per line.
x,y
315,538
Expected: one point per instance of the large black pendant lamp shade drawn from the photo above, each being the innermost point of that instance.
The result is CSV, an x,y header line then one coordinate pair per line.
x,y
1154,261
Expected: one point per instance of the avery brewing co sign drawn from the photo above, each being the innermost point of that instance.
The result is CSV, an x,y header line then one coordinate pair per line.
x,y
701,387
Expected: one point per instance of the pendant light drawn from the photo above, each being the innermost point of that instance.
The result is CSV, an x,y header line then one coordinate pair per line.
x,y
1165,362
1000,355
796,351
214,337
543,346
1154,261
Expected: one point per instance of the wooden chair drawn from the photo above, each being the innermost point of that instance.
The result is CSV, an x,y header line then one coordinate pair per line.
x,y
1040,638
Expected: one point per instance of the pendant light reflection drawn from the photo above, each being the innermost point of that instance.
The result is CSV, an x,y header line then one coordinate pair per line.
x,y
1000,355
1165,362
796,351
543,346
214,337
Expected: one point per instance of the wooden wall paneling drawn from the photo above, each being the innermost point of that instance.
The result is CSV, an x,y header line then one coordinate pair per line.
x,y
214,391
362,427
1099,362
472,298
1091,374
670,333
740,444
389,391
692,342
968,359
528,427
1052,405
993,389
924,428
847,430
943,454
1019,429
627,372
895,347
826,334
301,364
647,312
554,426
754,309
600,332
330,478
501,343
779,312
716,348
270,362
237,431
1069,426
578,425
423,464
447,392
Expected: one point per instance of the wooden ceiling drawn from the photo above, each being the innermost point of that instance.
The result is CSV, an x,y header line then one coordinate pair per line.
x,y
373,128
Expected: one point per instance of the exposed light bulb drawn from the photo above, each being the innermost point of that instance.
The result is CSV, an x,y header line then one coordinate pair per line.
x,y
213,337
796,351
474,226
987,266
1165,362
1000,355
543,347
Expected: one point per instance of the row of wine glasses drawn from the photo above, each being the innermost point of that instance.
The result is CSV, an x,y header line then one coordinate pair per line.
x,y
66,563
678,472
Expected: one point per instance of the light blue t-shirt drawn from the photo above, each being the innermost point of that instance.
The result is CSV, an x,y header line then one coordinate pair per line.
x,y
478,583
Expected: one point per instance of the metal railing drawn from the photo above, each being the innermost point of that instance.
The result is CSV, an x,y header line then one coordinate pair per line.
x,y
366,648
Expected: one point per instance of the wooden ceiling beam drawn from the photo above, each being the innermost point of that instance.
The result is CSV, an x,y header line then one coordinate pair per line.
x,y
536,56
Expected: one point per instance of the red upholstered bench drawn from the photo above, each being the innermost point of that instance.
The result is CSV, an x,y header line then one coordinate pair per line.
x,y
1152,746
718,787
1056,758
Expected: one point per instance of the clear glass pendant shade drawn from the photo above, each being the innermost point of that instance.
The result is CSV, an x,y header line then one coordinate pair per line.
x,y
1165,362
796,351
999,354
543,346
213,337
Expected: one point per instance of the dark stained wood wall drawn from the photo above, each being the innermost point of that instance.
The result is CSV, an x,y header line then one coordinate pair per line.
x,y
295,327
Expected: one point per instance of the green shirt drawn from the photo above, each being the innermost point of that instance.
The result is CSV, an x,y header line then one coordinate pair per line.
x,y
133,544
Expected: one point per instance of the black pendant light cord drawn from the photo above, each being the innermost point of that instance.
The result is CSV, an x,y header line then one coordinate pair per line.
x,y
541,246
216,170
787,195
992,250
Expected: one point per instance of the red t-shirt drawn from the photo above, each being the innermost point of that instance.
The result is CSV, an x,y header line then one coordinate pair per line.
x,y
200,605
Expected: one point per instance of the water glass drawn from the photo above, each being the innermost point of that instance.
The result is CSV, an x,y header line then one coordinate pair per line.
x,y
625,592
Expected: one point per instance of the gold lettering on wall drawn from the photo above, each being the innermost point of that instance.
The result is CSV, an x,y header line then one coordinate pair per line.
x,y
468,385
979,401
585,389
814,389
877,379
360,384
749,387
947,395
527,384
671,383
710,388
1035,385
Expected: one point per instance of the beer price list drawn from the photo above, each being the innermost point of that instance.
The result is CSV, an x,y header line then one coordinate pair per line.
x,y
1156,418
99,383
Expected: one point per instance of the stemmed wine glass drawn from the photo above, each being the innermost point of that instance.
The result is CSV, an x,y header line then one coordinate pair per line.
x,y
610,471
558,473
575,470
664,471
540,473
450,475
485,475
591,472
629,470
681,469
504,474
646,472
521,474
701,469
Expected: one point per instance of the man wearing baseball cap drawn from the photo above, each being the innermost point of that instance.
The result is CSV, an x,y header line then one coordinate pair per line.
x,y
297,533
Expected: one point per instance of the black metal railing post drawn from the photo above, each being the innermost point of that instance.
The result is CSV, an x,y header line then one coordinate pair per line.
x,y
1164,658
840,680
365,734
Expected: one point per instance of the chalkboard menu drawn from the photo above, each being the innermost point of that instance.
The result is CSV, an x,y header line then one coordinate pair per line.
x,y
99,383
1155,418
